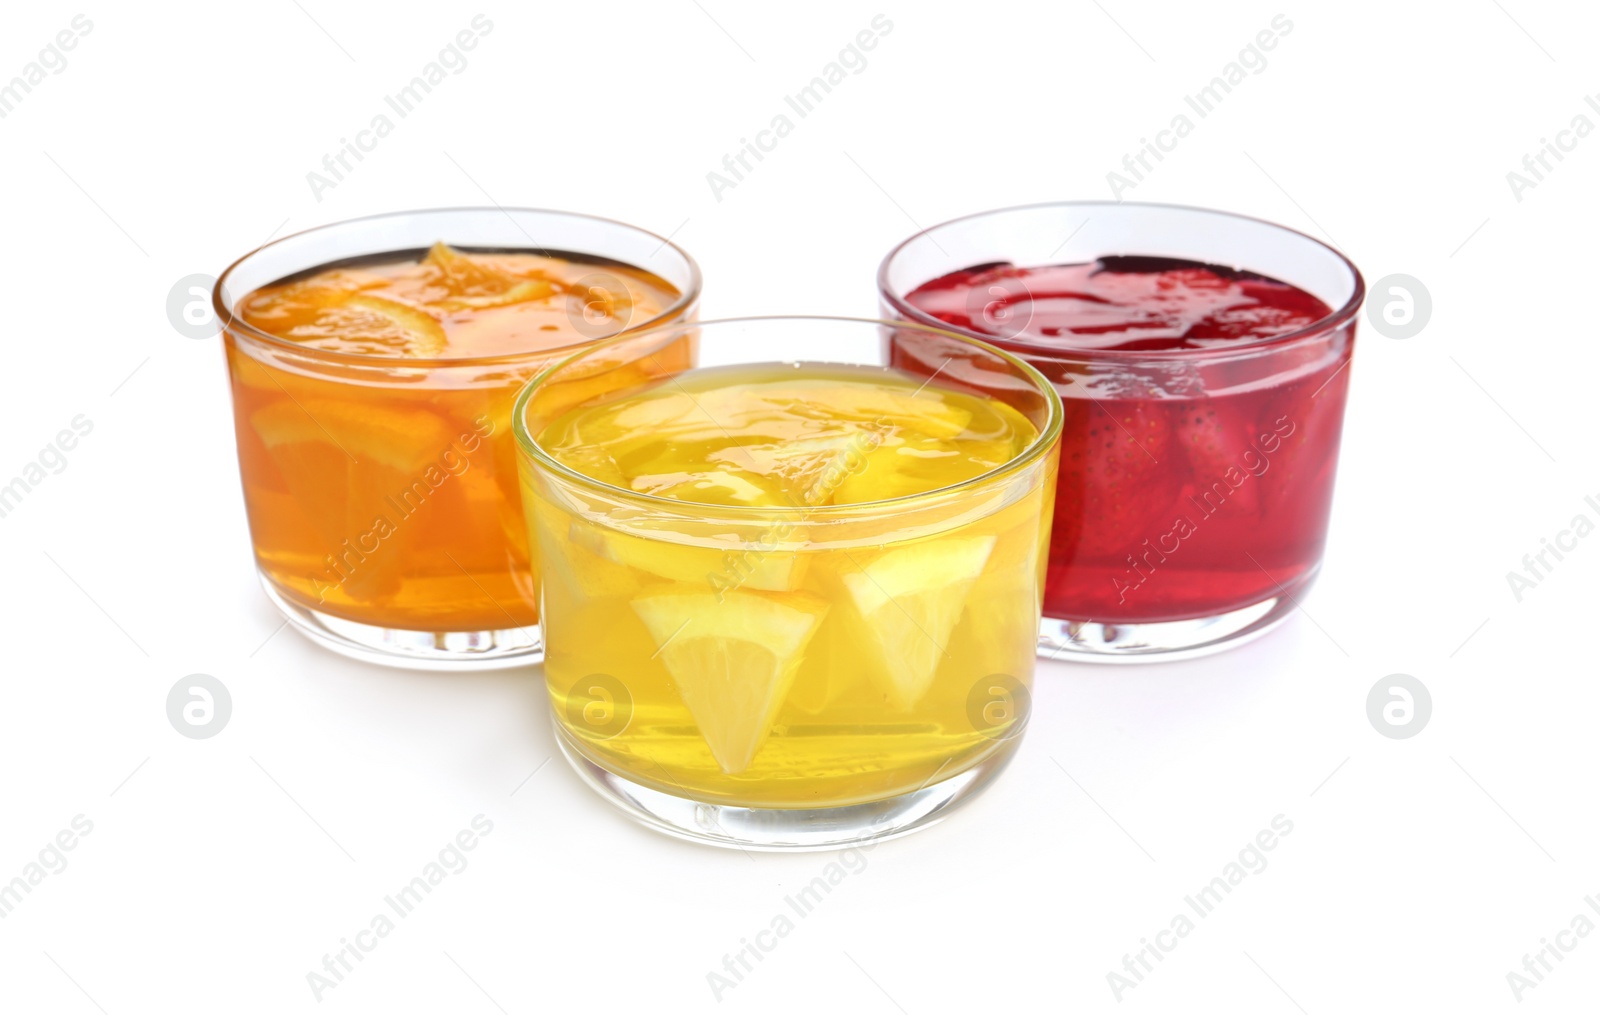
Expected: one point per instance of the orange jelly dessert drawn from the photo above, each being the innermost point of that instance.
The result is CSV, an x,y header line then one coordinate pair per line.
x,y
372,399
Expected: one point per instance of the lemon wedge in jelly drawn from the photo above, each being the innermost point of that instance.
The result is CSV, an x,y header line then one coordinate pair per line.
x,y
911,600
732,660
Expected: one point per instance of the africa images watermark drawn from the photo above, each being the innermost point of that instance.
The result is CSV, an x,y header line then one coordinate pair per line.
x,y
451,859
1537,965
1537,166
53,457
1252,59
52,859
999,707
1564,543
452,60
1256,462
1252,859
803,903
852,60
452,462
52,58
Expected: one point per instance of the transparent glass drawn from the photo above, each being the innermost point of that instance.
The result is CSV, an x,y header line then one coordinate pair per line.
x,y
382,490
676,687
1217,463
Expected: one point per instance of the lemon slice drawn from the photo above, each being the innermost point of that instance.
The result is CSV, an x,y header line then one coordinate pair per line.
x,y
702,469
807,470
875,406
905,465
704,486
732,660
750,568
894,470
423,336
925,412
586,575
656,409
911,600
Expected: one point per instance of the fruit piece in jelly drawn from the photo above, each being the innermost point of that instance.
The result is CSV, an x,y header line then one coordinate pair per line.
x,y
404,439
805,470
477,284
705,486
343,464
1215,443
1120,476
900,466
911,599
732,661
418,333
832,404
755,569
587,575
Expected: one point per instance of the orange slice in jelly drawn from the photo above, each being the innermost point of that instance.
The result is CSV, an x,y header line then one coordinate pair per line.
x,y
476,285
522,292
418,331
403,439
356,473
462,273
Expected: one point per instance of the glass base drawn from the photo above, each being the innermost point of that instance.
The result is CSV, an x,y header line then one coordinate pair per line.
x,y
415,650
1085,641
785,829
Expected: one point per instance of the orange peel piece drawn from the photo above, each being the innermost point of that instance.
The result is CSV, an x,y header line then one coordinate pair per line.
x,y
424,336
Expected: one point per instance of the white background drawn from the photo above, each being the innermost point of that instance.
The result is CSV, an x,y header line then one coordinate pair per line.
x,y
219,872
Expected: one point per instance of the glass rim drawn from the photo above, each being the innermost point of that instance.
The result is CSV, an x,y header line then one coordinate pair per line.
x,y
1041,443
1332,321
229,322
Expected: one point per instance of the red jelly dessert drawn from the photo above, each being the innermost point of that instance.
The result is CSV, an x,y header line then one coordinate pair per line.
x,y
1200,439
